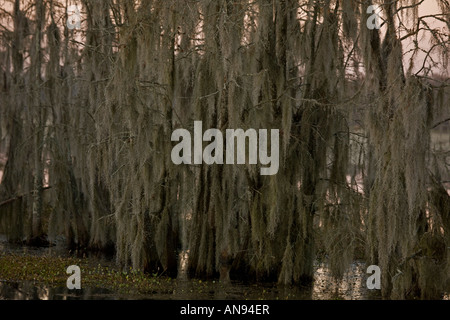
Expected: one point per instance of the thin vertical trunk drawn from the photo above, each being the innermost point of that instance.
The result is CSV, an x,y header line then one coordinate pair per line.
x,y
40,119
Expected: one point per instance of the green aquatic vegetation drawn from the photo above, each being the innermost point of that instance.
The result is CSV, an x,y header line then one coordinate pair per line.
x,y
52,271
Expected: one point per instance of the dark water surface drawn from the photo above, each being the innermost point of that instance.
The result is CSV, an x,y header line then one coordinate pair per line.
x,y
351,287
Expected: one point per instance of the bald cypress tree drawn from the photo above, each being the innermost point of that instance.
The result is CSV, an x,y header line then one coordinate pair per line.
x,y
89,114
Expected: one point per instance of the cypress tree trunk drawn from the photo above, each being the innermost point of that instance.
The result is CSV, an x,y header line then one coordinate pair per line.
x,y
39,121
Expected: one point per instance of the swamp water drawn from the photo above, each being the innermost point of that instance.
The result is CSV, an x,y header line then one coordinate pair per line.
x,y
351,287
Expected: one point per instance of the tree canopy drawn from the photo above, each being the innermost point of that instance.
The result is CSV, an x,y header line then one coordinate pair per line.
x,y
90,98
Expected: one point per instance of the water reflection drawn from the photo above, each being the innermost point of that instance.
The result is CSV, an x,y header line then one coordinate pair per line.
x,y
27,290
185,290
352,286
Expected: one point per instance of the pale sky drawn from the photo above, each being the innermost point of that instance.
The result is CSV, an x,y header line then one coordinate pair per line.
x,y
428,7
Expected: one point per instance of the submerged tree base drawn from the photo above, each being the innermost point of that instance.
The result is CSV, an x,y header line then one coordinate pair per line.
x,y
104,279
39,241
